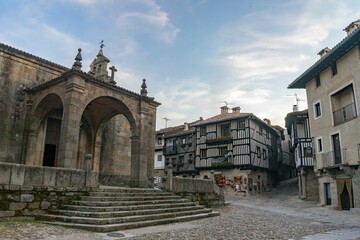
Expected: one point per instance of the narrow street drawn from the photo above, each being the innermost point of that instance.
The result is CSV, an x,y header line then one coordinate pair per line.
x,y
278,214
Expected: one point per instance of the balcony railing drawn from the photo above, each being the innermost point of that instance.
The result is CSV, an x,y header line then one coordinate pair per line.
x,y
219,140
333,159
344,114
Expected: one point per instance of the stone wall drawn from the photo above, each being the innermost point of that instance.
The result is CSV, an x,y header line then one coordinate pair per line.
x,y
26,190
24,175
198,190
18,70
312,185
356,188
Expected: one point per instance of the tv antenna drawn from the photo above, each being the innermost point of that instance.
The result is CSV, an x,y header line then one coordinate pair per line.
x,y
226,103
166,120
297,99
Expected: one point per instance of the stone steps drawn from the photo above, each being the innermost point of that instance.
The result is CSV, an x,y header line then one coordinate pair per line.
x,y
123,213
111,209
124,208
128,225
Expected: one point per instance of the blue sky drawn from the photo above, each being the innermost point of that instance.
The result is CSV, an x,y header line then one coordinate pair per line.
x,y
195,54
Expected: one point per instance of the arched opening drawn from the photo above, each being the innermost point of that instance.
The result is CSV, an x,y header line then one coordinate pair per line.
x,y
106,129
44,145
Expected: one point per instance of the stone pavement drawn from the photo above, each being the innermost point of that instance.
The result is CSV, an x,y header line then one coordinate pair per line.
x,y
272,215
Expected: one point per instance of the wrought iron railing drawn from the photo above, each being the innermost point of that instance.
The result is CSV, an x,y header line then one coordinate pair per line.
x,y
168,150
344,114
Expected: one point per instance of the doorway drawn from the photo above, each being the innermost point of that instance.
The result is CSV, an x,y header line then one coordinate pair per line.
x,y
49,155
327,193
337,148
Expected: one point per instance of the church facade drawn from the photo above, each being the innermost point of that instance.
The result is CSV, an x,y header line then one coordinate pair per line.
x,y
54,116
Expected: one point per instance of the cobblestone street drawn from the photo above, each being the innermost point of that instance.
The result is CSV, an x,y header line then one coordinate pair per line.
x,y
279,214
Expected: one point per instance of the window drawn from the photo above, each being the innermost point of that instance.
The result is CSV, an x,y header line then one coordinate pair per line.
x,y
317,110
191,158
223,151
258,152
308,152
334,69
343,105
181,160
183,140
203,153
317,79
159,141
173,161
225,130
159,158
202,131
189,140
264,154
260,130
319,145
241,124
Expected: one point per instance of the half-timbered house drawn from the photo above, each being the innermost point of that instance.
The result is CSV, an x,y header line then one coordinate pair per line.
x,y
239,147
297,125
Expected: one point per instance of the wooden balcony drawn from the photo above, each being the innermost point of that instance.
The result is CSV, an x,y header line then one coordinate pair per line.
x,y
219,140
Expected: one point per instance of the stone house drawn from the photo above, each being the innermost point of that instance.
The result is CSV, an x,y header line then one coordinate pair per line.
x,y
54,116
332,86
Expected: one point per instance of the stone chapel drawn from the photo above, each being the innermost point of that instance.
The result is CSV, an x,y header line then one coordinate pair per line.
x,y
54,116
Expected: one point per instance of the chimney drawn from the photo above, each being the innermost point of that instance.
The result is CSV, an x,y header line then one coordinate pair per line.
x,y
236,109
323,52
268,121
224,110
352,27
295,108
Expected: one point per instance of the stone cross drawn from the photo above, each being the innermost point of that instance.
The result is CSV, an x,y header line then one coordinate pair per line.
x,y
113,70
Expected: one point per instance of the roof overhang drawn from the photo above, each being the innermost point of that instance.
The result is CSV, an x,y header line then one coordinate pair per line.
x,y
337,52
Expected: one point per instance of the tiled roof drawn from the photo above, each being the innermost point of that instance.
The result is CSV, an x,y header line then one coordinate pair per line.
x,y
338,51
222,117
90,78
28,55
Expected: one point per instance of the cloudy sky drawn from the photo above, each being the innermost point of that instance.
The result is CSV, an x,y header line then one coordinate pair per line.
x,y
195,54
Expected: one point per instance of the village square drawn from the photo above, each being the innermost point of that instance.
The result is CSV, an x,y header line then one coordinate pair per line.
x,y
84,157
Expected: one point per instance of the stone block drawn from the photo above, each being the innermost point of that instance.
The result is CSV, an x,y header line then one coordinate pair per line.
x,y
34,205
77,179
26,198
5,173
4,214
44,205
26,188
63,178
49,177
17,174
16,206
13,197
34,175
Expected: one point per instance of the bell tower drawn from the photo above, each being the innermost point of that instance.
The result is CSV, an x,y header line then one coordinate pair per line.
x,y
98,68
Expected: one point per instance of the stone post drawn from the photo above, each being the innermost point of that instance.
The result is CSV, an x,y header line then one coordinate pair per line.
x,y
87,168
212,172
135,161
170,177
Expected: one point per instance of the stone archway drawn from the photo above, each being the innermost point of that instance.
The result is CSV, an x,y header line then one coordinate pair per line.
x,y
43,135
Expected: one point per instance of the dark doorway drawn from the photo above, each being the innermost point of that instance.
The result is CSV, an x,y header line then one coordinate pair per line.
x,y
327,193
345,199
337,149
49,155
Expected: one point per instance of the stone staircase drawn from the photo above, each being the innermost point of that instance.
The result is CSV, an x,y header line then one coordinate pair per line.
x,y
112,209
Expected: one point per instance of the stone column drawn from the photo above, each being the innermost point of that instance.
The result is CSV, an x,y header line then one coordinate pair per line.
x,y
303,184
70,125
170,177
135,161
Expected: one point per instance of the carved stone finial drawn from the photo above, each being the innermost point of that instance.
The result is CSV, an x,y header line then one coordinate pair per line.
x,y
143,88
77,64
113,70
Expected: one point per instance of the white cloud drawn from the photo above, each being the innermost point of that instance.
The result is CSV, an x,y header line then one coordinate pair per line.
x,y
149,18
